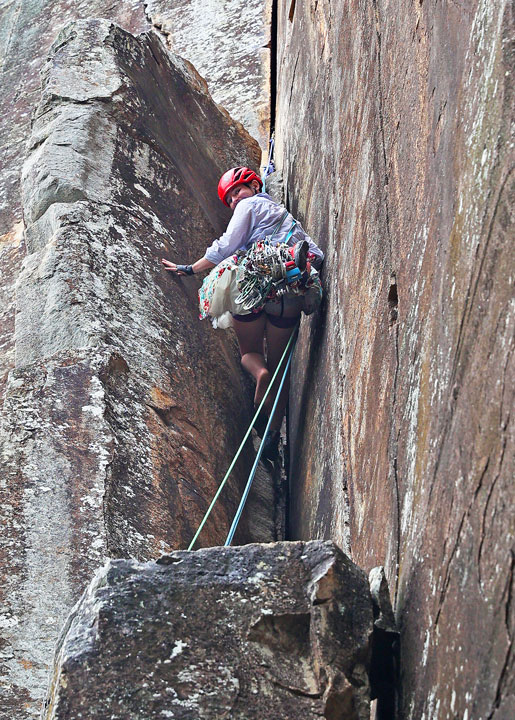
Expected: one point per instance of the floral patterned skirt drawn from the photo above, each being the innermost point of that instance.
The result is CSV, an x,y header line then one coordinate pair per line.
x,y
218,283
221,296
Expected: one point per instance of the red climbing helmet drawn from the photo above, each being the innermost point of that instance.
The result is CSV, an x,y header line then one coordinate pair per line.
x,y
233,177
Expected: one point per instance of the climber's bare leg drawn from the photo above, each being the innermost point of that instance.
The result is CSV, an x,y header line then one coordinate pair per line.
x,y
251,337
276,341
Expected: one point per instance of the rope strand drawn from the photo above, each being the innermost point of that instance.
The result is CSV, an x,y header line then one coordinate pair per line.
x,y
222,484
258,457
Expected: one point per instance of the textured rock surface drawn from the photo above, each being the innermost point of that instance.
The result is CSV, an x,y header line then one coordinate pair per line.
x,y
397,160
392,129
123,411
27,29
279,631
229,44
11,256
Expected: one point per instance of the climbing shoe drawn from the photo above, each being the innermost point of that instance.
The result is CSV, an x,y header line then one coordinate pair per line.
x,y
271,446
261,423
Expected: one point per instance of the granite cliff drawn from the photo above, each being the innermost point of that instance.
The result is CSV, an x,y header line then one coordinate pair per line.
x,y
399,159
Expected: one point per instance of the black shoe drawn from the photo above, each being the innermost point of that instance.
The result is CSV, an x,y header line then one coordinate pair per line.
x,y
271,446
261,423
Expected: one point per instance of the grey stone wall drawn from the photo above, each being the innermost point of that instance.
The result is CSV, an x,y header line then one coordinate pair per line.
x,y
393,135
280,631
123,411
229,42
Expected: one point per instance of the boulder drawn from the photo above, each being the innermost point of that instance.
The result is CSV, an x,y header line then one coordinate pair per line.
x,y
280,631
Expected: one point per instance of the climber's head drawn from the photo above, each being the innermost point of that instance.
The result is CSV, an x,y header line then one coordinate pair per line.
x,y
237,183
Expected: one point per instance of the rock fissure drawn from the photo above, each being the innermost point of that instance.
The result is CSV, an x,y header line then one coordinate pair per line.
x,y
489,499
165,34
504,413
291,12
381,122
447,573
393,300
474,282
298,691
394,436
274,9
483,519
508,616
293,78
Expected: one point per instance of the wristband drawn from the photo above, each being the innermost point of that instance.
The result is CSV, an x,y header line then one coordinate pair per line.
x,y
186,269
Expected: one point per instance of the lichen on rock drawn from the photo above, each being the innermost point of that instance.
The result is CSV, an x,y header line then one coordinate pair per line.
x,y
241,633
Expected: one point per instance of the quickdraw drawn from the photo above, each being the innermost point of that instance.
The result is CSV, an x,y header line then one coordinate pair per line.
x,y
267,272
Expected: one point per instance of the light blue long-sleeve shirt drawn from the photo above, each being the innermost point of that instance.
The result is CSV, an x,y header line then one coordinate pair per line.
x,y
253,219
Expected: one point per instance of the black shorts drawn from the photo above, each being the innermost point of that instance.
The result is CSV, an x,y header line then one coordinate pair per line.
x,y
282,313
276,320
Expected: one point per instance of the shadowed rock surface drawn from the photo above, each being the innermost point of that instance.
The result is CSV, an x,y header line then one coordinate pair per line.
x,y
27,30
398,162
123,411
279,631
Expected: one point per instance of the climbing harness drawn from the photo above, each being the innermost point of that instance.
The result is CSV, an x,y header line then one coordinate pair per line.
x,y
291,344
270,271
244,282
262,271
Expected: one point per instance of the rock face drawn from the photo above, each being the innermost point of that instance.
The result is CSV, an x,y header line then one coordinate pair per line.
x,y
123,411
229,44
397,161
279,631
27,29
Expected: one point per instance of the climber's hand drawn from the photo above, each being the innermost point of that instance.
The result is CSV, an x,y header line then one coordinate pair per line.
x,y
179,269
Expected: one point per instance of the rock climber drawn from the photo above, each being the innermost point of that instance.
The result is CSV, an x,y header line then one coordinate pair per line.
x,y
262,335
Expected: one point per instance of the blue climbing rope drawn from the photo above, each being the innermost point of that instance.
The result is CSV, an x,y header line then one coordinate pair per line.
x,y
293,338
258,456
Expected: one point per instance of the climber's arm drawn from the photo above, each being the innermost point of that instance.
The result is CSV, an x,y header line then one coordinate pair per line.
x,y
235,237
198,266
